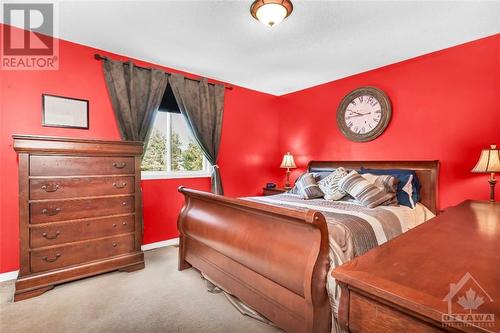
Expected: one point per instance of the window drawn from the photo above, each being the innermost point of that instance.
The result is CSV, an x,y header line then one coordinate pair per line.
x,y
172,151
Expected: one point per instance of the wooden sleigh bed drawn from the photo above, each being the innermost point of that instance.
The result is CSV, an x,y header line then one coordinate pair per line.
x,y
274,259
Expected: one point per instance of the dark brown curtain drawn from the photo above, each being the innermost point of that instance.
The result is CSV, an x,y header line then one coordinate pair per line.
x,y
135,95
202,105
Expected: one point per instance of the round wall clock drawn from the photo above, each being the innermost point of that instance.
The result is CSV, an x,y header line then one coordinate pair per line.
x,y
364,114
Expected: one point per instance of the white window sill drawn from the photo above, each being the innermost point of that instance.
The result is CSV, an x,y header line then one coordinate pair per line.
x,y
151,175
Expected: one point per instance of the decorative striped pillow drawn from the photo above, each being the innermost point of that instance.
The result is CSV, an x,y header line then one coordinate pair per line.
x,y
308,188
295,189
363,191
384,182
408,192
387,182
330,184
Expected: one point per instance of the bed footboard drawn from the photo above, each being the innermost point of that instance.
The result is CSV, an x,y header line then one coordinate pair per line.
x,y
274,259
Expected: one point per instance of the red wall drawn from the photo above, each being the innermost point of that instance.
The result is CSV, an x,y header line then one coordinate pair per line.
x,y
248,153
446,106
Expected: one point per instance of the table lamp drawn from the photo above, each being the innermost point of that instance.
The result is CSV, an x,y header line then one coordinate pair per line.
x,y
489,162
288,163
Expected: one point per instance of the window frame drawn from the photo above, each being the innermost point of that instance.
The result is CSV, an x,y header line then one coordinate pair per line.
x,y
169,174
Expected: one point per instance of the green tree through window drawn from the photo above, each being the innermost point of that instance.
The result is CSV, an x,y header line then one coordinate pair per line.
x,y
176,156
172,148
155,157
192,157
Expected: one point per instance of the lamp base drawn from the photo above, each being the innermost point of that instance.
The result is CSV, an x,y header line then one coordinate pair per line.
x,y
287,183
492,182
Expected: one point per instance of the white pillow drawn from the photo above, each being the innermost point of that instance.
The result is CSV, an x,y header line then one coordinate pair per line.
x,y
330,185
408,189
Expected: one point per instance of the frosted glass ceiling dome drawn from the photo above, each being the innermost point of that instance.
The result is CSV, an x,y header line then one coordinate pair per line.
x,y
271,12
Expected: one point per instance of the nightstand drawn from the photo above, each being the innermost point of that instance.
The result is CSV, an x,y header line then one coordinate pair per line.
x,y
272,191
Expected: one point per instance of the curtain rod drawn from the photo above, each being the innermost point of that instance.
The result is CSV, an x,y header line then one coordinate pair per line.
x,y
100,57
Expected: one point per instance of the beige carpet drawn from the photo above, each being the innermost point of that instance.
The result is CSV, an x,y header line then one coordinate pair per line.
x,y
156,299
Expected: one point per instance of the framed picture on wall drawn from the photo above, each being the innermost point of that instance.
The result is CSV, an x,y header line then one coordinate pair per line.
x,y
59,111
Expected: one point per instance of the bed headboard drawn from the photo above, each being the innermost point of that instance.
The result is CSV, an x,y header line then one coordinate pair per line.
x,y
427,172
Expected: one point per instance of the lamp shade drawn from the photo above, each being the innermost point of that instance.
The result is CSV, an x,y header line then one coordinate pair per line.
x,y
288,162
489,161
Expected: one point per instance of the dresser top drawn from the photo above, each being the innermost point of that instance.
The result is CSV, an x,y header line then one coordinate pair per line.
x,y
36,144
437,261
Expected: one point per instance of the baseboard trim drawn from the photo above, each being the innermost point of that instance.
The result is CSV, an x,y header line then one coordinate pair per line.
x,y
7,276
168,242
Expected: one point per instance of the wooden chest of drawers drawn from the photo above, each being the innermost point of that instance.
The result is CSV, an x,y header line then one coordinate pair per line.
x,y
80,210
416,282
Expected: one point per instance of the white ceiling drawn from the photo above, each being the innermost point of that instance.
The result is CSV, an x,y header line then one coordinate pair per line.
x,y
321,41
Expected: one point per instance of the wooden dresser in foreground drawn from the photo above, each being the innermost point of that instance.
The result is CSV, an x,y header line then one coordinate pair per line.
x,y
79,210
443,275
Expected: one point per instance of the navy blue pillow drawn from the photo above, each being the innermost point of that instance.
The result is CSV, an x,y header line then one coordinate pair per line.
x,y
403,175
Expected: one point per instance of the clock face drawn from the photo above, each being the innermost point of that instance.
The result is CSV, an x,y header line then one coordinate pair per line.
x,y
364,114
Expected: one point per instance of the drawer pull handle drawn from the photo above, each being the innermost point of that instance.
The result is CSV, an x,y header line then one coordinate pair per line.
x,y
50,188
115,185
47,259
114,225
120,165
124,223
114,244
51,237
52,212
124,203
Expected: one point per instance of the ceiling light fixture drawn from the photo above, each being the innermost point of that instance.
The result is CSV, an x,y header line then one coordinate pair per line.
x,y
271,12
